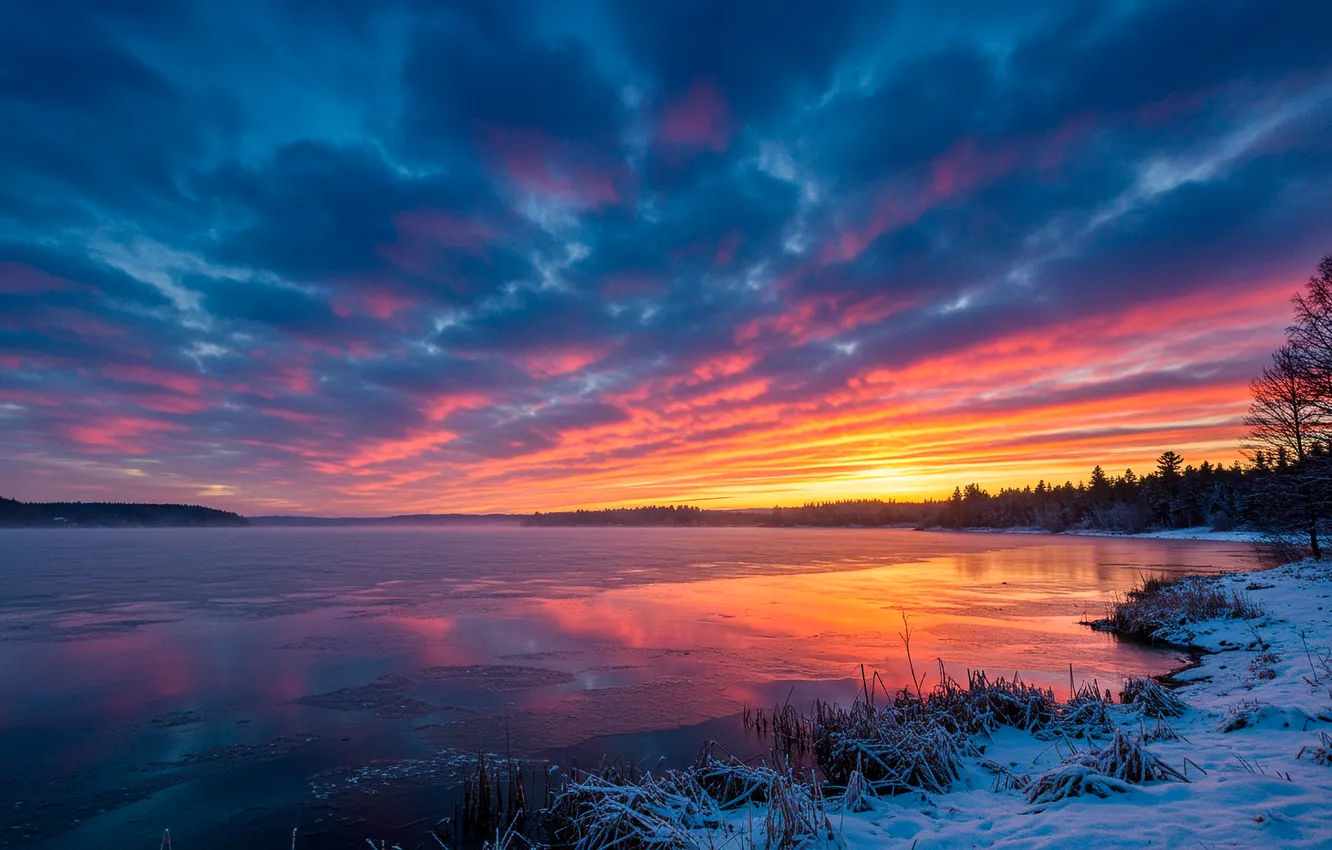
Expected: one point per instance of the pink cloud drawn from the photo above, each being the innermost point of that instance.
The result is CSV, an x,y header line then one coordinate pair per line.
x,y
278,380
553,363
1052,148
962,168
425,237
290,415
18,279
821,317
723,366
700,118
551,169
297,379
383,304
441,407
62,322
176,381
119,433
414,445
727,247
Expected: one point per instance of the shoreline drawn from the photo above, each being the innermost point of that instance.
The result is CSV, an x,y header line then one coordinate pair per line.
x,y
1242,756
1200,533
1257,695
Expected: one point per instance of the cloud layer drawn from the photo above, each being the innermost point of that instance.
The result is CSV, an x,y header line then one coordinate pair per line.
x,y
367,258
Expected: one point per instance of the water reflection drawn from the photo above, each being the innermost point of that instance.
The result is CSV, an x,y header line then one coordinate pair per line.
x,y
311,650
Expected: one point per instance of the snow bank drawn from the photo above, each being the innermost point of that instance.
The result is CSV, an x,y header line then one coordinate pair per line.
x,y
1198,533
1249,787
1240,759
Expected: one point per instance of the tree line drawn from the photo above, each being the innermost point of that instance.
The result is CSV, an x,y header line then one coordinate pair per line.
x,y
1173,495
16,514
648,515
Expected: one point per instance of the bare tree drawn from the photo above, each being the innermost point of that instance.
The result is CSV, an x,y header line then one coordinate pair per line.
x,y
1311,334
1287,414
1289,419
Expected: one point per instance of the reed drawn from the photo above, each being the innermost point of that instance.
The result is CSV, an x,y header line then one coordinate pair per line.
x,y
494,799
1158,604
685,809
1148,697
1320,753
1123,762
1085,716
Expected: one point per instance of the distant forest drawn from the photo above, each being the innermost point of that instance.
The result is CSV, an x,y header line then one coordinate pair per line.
x,y
1173,495
657,515
16,514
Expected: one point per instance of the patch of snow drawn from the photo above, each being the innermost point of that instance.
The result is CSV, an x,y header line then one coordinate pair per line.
x,y
1196,533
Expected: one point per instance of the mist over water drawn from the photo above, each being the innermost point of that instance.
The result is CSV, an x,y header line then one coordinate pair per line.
x,y
233,683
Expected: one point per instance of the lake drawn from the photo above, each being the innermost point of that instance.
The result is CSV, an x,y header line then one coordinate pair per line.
x,y
232,684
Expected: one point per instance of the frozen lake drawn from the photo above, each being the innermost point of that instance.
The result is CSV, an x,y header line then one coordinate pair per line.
x,y
233,683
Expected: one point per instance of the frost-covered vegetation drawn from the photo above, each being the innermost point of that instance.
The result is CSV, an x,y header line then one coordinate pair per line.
x,y
1228,760
1160,608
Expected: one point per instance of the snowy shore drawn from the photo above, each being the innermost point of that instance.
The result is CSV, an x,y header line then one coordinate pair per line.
x,y
1198,533
1241,756
1257,789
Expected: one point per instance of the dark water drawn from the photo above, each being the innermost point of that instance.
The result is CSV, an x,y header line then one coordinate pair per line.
x,y
233,684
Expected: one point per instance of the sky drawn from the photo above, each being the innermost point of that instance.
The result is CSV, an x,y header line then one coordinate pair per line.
x,y
364,258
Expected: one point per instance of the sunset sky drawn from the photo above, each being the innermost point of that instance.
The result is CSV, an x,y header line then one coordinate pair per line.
x,y
362,258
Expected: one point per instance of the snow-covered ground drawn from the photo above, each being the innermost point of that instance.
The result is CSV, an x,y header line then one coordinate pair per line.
x,y
1247,788
1197,533
1244,759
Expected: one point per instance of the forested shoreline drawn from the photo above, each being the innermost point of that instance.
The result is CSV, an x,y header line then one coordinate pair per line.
x,y
16,514
1174,494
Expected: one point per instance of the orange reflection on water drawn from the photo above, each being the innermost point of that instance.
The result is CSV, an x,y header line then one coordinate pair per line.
x,y
1008,611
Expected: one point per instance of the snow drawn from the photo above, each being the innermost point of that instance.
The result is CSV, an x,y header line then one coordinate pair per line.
x,y
1195,533
1249,787
1198,533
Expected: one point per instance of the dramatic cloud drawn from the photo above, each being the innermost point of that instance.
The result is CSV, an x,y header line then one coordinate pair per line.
x,y
363,258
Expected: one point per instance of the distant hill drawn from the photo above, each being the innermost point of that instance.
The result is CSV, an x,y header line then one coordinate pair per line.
x,y
402,519
16,514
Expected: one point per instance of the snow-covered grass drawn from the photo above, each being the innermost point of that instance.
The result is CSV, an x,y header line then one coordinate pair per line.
x,y
692,808
1238,755
1162,608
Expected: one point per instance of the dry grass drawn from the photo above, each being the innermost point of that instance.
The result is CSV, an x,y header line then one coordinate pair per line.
x,y
918,741
1122,762
685,809
1126,758
1320,753
857,796
1071,779
1150,698
1240,716
1086,715
1158,604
